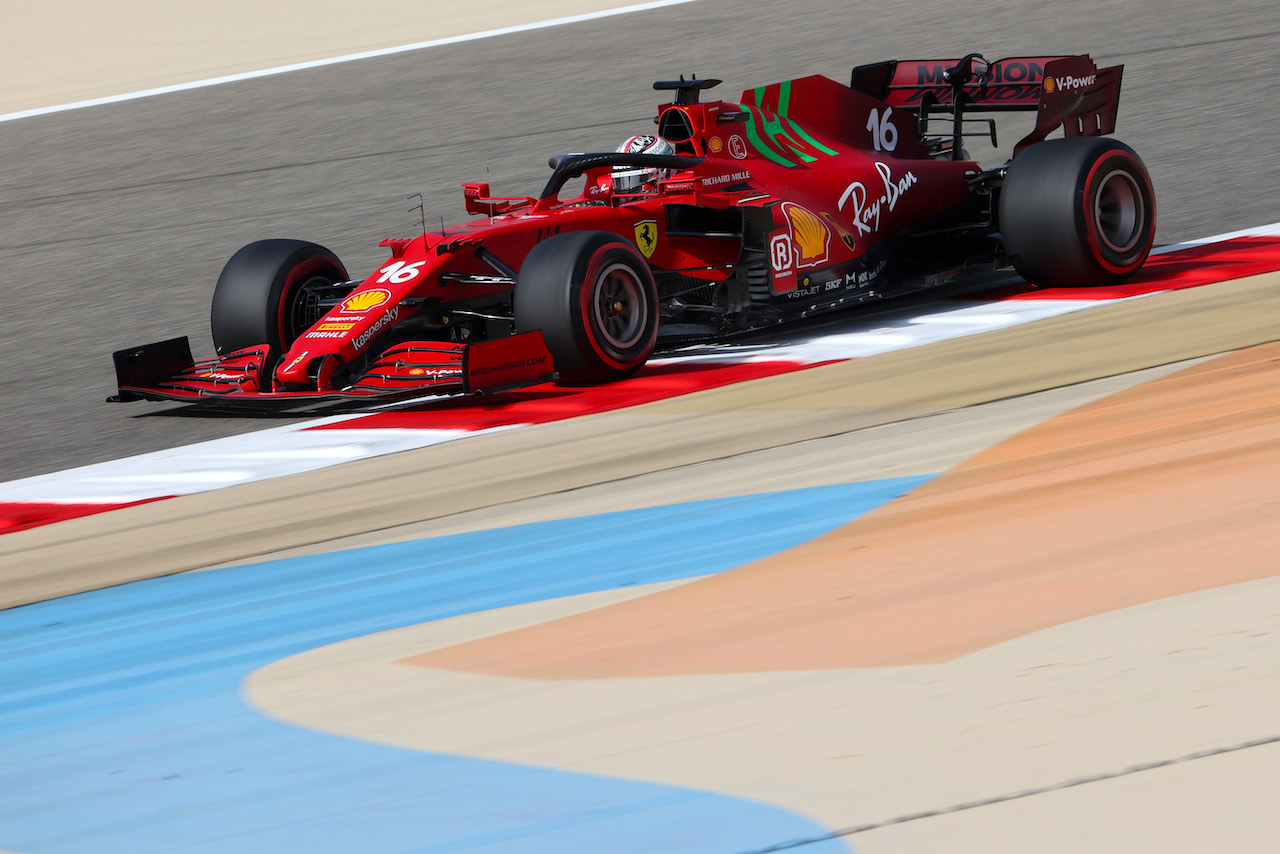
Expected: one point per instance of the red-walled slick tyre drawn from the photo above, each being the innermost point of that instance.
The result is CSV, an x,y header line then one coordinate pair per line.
x,y
593,296
1077,211
269,293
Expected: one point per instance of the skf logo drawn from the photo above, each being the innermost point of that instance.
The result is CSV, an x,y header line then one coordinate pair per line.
x,y
647,236
365,300
810,234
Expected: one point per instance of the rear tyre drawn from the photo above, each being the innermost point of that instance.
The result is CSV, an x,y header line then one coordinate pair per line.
x,y
593,296
269,293
1077,211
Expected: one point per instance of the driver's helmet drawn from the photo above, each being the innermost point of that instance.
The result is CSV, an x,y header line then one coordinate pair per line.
x,y
628,180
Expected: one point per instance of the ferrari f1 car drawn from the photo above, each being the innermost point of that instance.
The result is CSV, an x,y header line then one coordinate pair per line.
x,y
799,198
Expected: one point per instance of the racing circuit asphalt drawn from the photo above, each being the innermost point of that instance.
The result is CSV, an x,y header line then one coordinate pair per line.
x,y
116,219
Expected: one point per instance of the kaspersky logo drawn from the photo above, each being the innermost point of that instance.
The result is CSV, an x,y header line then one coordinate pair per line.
x,y
380,324
365,300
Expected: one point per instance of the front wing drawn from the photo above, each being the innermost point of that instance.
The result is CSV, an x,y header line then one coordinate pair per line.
x,y
166,371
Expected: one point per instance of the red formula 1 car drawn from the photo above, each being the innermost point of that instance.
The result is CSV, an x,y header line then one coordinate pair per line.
x,y
799,198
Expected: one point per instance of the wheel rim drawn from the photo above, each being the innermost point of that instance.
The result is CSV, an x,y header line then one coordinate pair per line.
x,y
1120,212
620,306
304,307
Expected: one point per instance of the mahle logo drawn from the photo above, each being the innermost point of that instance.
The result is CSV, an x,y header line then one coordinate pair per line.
x,y
365,300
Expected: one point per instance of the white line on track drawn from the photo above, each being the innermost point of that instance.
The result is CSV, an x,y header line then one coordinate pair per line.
x,y
352,57
220,463
1272,230
294,448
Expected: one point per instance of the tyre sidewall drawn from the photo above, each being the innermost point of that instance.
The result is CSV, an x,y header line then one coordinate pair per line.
x,y
587,281
254,295
1113,161
1047,212
556,293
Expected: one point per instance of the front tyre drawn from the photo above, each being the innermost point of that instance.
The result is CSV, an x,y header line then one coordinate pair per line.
x,y
1077,211
593,296
270,293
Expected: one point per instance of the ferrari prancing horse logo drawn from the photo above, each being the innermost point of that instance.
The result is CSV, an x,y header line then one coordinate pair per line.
x,y
647,236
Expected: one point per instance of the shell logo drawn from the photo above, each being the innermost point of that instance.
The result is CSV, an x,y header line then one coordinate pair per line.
x,y
1048,85
715,145
811,235
365,300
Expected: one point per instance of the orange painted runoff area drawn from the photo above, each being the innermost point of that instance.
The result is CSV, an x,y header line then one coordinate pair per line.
x,y
1167,488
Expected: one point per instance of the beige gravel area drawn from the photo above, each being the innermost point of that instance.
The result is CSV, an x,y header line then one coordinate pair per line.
x,y
72,51
1165,488
919,446
1149,727
1158,684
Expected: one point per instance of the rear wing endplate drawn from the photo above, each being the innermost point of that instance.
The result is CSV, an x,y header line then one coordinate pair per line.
x,y
1065,91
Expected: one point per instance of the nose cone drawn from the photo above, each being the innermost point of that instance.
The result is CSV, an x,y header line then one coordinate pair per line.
x,y
292,372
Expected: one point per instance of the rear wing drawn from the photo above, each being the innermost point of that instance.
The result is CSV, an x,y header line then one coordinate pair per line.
x,y
1065,91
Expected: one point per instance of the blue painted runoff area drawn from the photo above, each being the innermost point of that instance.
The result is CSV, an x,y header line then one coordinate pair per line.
x,y
123,731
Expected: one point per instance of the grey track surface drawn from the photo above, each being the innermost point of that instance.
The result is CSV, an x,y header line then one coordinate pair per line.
x,y
114,221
